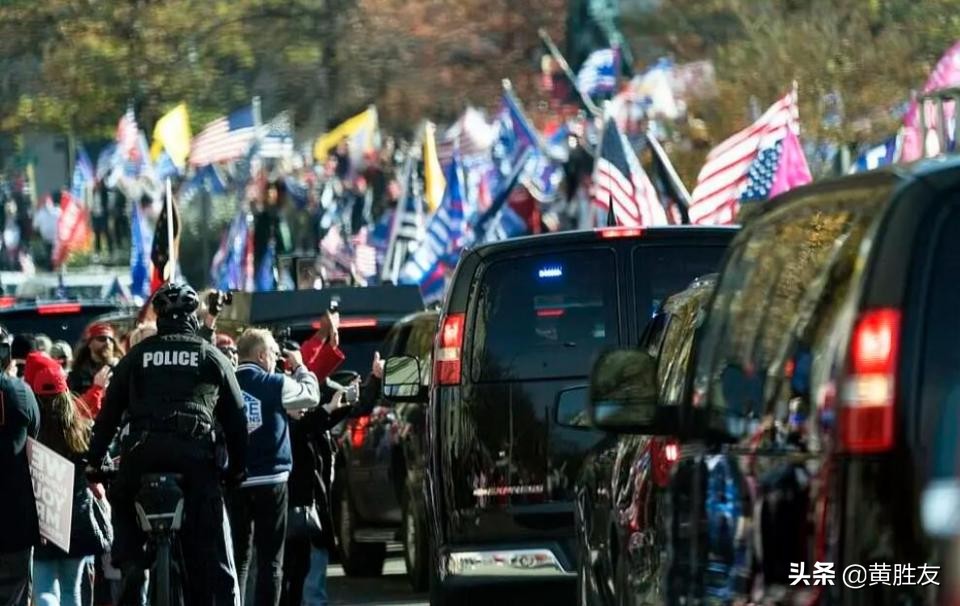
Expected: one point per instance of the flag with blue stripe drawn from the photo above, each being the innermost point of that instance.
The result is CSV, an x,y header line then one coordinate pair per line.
x,y
266,272
141,243
445,234
83,176
228,266
877,156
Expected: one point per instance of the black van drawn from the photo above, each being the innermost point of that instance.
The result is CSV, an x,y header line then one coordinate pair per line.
x,y
620,503
523,322
825,401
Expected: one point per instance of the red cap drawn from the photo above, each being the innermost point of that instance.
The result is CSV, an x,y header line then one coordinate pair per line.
x,y
50,381
100,329
224,340
34,362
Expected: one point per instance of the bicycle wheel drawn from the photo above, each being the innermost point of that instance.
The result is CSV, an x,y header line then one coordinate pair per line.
x,y
160,575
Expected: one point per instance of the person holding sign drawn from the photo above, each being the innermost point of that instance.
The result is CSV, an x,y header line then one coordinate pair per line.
x,y
19,525
65,432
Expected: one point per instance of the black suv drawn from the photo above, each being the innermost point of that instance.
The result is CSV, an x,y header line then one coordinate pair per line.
x,y
378,493
818,454
522,323
59,319
621,498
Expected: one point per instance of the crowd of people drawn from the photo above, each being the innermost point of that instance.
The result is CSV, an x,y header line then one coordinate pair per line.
x,y
245,422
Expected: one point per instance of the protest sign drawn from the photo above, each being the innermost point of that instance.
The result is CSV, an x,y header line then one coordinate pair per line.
x,y
52,477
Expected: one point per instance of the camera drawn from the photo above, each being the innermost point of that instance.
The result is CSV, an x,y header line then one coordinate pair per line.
x,y
217,300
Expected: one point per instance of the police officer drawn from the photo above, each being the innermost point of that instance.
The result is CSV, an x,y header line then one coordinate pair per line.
x,y
171,388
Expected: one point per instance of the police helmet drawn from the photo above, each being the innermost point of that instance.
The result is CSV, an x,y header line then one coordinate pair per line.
x,y
175,299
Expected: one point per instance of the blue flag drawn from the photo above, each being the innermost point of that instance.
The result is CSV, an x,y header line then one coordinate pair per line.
x,y
141,242
445,236
266,271
227,268
83,175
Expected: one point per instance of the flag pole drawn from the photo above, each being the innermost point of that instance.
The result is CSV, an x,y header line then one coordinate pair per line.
x,y
658,150
257,121
171,249
565,67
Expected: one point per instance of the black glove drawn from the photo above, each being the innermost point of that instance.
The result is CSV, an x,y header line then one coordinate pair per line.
x,y
217,300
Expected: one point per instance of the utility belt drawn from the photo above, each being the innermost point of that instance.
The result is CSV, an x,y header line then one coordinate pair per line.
x,y
178,423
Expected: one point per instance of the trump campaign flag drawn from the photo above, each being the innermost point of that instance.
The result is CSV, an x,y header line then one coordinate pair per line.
x,y
598,73
761,161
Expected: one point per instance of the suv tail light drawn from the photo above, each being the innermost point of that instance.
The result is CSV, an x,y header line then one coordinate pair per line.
x,y
867,415
358,431
449,350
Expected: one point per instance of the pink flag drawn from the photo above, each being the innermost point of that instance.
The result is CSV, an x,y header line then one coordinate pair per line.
x,y
946,74
792,171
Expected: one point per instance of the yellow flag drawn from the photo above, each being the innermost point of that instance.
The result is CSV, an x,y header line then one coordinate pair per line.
x,y
434,183
360,129
172,133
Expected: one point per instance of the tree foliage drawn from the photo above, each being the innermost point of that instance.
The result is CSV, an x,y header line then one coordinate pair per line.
x,y
869,53
74,65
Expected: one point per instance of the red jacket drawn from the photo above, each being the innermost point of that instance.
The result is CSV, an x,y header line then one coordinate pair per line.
x,y
93,400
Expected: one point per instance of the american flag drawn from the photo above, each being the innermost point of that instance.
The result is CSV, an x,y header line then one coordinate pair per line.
x,y
276,137
620,181
224,139
725,174
364,255
128,134
335,258
761,173
471,135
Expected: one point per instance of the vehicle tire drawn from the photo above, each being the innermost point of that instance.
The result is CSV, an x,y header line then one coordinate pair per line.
x,y
358,559
415,554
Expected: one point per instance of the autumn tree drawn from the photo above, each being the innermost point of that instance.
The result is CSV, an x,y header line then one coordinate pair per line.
x,y
868,54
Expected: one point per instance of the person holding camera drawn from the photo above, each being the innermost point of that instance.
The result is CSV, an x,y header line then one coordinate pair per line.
x,y
258,509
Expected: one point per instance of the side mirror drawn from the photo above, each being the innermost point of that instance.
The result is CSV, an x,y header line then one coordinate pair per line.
x,y
402,380
624,395
570,410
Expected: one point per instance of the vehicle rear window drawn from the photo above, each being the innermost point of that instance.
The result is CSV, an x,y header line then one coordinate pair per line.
x,y
662,271
545,316
940,379
778,302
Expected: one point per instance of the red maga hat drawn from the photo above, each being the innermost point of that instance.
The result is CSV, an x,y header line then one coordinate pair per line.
x,y
50,381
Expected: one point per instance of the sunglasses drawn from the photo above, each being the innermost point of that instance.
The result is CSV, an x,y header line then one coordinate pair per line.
x,y
102,339
229,350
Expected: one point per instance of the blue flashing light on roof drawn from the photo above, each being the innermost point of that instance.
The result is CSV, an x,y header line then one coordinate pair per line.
x,y
550,271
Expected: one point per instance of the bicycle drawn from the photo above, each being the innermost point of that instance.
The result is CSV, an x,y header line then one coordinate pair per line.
x,y
159,507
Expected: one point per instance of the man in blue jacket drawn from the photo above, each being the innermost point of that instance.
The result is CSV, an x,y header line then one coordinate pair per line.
x,y
19,528
258,509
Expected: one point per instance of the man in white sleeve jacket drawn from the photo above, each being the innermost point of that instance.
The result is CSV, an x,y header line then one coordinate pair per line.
x,y
258,509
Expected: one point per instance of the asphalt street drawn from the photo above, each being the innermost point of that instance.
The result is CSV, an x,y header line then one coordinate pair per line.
x,y
390,589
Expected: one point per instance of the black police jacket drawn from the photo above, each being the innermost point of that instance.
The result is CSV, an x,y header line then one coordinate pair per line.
x,y
177,383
